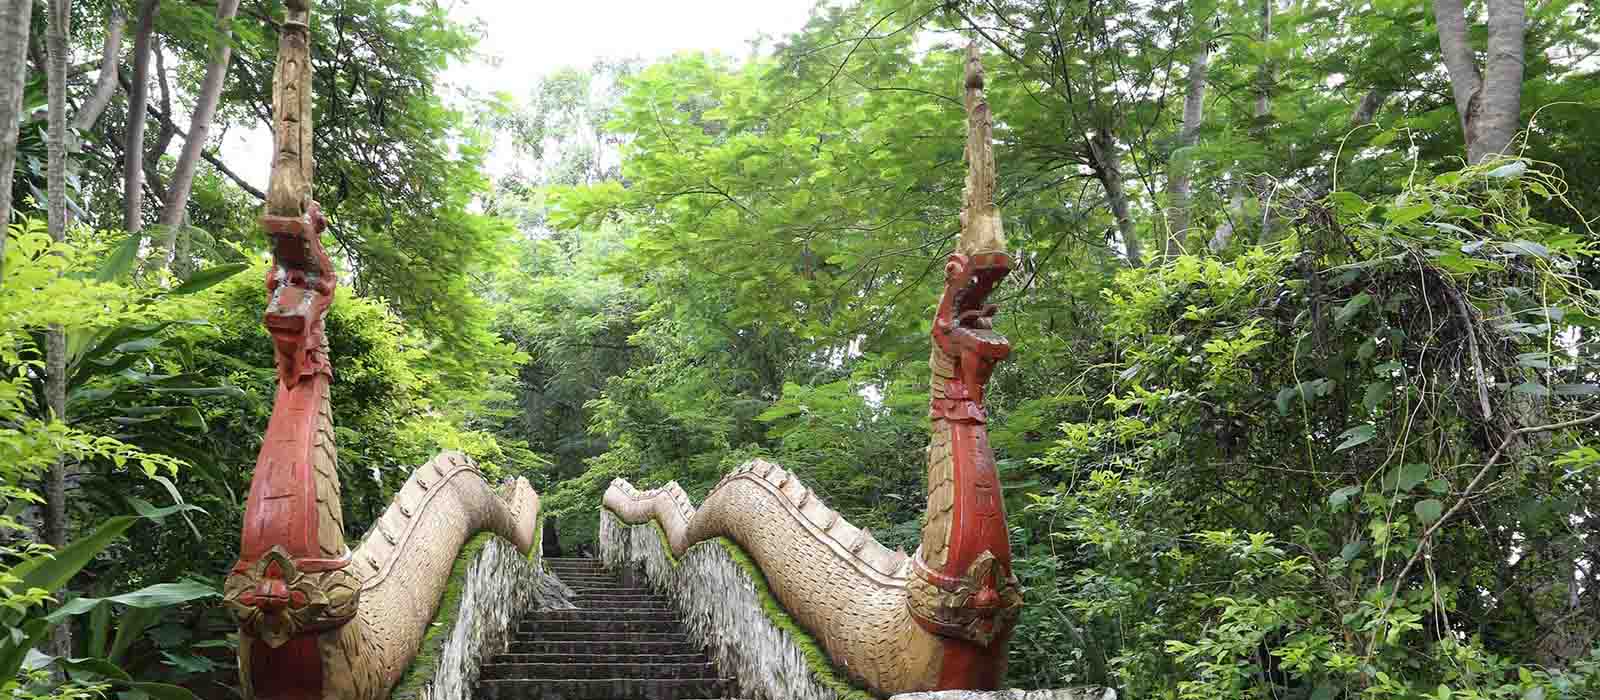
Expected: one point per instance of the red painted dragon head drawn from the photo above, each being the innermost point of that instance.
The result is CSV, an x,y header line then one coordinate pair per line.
x,y
300,285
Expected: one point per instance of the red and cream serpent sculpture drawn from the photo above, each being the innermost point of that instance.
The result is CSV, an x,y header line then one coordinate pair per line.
x,y
317,620
937,619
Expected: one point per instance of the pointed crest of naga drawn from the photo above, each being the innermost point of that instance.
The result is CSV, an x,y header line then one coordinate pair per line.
x,y
316,620
962,588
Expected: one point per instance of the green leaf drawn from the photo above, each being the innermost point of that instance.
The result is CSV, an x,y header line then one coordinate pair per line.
x,y
140,345
120,261
1531,388
1409,213
131,625
1535,360
1286,395
1428,510
1375,394
146,510
209,277
1511,169
177,500
1576,389
1409,475
188,663
51,572
189,417
160,595
1349,204
1356,436
1367,349
1351,550
22,641
1526,247
1338,498
93,665
1351,308
163,691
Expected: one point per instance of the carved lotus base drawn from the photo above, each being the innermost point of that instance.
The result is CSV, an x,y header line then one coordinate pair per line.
x,y
275,601
979,607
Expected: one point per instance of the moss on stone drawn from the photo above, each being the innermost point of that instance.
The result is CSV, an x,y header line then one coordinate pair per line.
x,y
422,668
537,550
821,667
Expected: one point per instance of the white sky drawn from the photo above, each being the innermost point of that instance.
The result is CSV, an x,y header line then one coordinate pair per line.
x,y
531,37
524,39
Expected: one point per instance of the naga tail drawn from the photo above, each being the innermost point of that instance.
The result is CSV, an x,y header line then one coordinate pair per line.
x,y
317,620
937,620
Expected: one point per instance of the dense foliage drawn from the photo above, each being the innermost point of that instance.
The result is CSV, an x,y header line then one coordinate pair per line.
x,y
1300,406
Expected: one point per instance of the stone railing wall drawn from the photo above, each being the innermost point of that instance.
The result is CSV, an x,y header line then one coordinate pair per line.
x,y
726,608
491,588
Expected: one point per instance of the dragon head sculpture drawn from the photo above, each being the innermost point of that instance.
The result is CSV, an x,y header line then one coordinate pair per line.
x,y
300,285
963,327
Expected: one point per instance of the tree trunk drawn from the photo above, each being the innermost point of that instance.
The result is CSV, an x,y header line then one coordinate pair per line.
x,y
55,496
1264,186
1500,109
1488,103
1180,170
16,17
1108,168
172,214
1451,19
106,85
138,105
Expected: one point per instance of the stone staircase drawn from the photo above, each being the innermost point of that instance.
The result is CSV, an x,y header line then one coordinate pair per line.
x,y
622,643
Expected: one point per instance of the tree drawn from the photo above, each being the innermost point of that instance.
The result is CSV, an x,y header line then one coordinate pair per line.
x,y
1488,98
174,211
1180,166
55,493
16,19
138,105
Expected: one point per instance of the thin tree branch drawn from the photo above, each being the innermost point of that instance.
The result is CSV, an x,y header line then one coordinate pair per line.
x,y
1466,493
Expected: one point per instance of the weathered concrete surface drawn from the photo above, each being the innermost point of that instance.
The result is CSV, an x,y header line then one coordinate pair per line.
x,y
500,587
721,610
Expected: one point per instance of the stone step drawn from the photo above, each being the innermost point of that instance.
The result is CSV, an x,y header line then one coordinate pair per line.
x,y
627,647
576,659
631,627
616,603
642,668
618,613
614,591
614,600
603,689
620,603
562,636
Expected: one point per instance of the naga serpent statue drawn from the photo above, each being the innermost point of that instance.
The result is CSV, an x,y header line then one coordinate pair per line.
x,y
936,620
316,620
